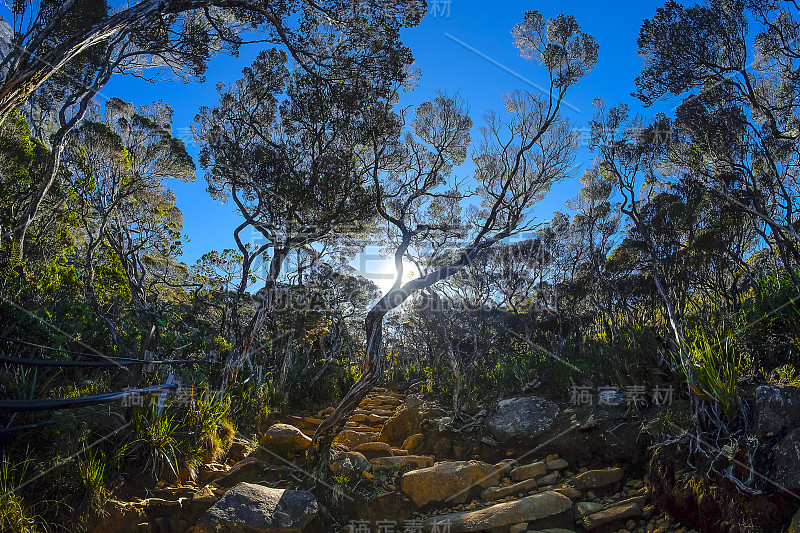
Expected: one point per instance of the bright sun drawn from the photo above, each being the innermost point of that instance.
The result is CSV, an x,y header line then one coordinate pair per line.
x,y
384,277
381,271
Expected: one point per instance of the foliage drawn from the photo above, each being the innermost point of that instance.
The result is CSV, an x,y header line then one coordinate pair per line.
x,y
92,474
15,515
207,423
250,405
677,260
155,444
717,364
785,376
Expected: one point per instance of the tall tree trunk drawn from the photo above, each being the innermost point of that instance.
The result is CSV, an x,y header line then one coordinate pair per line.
x,y
244,344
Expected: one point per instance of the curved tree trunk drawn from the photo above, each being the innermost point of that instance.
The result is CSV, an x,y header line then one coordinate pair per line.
x,y
82,97
319,452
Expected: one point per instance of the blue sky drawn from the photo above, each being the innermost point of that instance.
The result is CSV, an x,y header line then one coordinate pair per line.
x,y
461,45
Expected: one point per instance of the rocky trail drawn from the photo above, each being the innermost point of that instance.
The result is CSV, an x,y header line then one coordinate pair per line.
x,y
398,466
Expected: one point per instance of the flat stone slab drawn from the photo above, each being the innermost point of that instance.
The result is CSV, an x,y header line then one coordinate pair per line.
x,y
502,515
495,493
529,471
403,461
594,479
612,514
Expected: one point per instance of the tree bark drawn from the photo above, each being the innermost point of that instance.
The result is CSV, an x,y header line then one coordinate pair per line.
x,y
82,97
320,449
244,345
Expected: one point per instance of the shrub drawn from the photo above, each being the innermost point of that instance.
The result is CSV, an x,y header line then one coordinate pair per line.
x,y
155,442
716,364
209,429
91,473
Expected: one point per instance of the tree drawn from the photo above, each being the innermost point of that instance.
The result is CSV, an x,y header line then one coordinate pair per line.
x,y
81,43
594,224
516,163
630,155
283,148
181,35
216,274
117,164
739,130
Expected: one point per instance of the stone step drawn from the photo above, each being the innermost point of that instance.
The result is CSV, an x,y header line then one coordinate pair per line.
x,y
385,400
362,429
295,421
414,461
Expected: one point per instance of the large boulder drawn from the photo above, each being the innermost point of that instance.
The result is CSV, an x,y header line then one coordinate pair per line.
x,y
350,464
502,516
452,482
405,422
284,440
522,417
777,410
257,509
786,469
